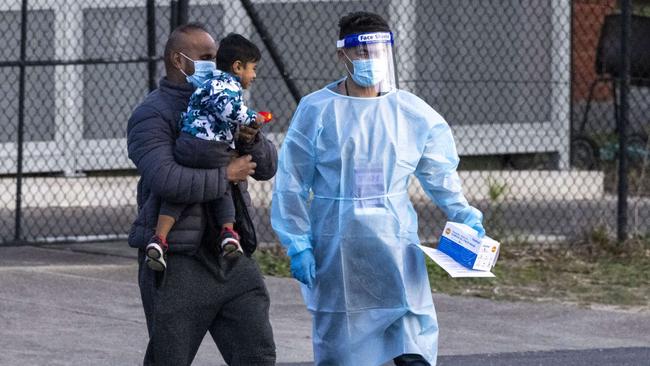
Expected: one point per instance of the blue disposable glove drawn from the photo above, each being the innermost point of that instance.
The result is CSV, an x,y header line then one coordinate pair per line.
x,y
479,228
303,267
474,219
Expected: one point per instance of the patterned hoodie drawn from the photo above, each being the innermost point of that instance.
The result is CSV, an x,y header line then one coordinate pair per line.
x,y
216,108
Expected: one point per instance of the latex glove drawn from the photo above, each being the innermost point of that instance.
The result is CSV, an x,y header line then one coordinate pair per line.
x,y
303,267
474,219
479,228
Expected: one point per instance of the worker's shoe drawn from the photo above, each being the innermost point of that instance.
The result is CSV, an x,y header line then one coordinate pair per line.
x,y
410,359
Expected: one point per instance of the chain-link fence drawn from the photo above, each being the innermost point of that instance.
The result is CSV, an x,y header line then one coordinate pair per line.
x,y
604,108
539,145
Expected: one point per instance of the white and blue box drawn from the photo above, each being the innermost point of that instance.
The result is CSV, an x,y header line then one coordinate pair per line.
x,y
463,245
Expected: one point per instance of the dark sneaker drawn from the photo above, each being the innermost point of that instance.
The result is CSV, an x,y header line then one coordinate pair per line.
x,y
230,247
410,359
155,253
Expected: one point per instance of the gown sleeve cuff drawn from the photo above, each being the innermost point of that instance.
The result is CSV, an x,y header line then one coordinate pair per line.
x,y
299,244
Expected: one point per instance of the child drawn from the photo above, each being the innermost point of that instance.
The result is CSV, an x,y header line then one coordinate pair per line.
x,y
207,141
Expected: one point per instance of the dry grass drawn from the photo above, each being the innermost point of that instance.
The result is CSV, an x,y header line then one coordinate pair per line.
x,y
591,271
594,270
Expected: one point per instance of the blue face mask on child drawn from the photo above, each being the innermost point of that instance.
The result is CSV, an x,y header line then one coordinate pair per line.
x,y
203,71
368,72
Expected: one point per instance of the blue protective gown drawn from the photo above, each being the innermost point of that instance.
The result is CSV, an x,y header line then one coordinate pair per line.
x,y
341,189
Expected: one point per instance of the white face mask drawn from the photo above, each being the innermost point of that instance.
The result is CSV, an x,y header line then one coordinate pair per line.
x,y
203,70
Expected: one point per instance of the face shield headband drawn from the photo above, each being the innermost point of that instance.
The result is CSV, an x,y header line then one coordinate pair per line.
x,y
354,40
368,71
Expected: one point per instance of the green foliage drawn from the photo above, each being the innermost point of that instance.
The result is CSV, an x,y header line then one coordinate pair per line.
x,y
273,261
599,242
496,190
494,224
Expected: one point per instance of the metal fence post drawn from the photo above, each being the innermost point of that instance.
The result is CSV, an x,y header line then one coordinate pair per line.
x,y
151,42
173,15
21,121
624,112
183,11
270,46
179,13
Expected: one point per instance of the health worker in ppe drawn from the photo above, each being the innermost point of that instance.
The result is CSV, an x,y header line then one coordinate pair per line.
x,y
341,208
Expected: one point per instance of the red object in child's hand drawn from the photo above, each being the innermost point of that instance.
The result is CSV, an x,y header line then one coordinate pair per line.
x,y
268,116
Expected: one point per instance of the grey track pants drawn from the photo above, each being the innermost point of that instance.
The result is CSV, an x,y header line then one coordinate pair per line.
x,y
202,293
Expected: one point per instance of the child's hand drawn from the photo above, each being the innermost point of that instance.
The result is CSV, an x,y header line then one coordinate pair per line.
x,y
247,133
259,121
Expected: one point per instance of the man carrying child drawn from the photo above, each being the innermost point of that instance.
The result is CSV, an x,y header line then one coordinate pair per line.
x,y
198,292
215,112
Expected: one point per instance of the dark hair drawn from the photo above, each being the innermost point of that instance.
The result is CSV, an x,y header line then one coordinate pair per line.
x,y
175,38
362,22
235,47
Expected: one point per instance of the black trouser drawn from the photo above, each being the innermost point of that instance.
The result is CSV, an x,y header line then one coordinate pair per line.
x,y
202,293
410,360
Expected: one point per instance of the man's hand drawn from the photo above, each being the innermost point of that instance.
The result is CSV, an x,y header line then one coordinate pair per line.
x,y
240,168
247,134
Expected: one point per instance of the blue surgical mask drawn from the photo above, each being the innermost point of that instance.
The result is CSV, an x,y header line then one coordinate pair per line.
x,y
368,72
203,70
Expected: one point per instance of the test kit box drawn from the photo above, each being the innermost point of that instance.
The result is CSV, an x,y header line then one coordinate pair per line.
x,y
462,244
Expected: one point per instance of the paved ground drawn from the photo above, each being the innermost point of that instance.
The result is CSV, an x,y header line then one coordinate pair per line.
x,y
79,305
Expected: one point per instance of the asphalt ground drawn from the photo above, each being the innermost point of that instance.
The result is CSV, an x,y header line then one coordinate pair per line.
x,y
78,304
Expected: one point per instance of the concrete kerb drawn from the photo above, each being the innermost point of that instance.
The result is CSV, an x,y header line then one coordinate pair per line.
x,y
115,191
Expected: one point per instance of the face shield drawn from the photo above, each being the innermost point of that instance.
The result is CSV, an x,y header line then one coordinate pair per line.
x,y
371,58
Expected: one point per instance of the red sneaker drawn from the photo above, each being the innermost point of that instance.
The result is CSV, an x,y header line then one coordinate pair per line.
x,y
230,247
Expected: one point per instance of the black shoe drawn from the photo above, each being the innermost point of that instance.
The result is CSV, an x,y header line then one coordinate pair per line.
x,y
155,254
410,359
